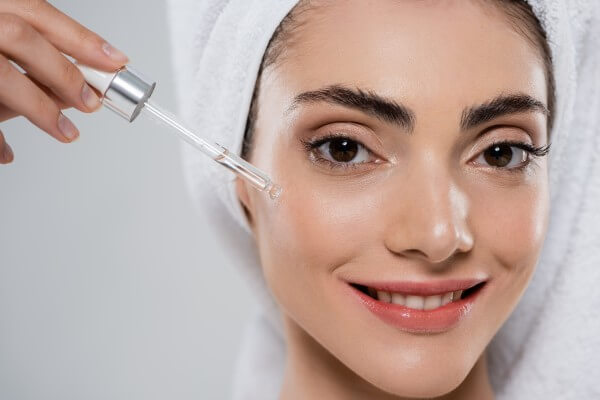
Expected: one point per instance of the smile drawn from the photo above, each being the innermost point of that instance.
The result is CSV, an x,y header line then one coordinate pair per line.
x,y
419,307
417,302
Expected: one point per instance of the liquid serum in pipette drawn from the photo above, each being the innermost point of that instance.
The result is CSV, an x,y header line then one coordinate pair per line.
x,y
127,93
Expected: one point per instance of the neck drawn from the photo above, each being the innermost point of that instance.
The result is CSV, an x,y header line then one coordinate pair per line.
x,y
312,372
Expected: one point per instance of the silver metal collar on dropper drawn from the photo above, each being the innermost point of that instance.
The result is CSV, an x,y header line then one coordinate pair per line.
x,y
124,91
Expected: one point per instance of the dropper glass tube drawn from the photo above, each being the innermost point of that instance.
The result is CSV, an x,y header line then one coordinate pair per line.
x,y
217,152
127,93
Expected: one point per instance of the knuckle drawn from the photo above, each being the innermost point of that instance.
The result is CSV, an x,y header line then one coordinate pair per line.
x,y
70,75
45,107
84,35
32,7
14,28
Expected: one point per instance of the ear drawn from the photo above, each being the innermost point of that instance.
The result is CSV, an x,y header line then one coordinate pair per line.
x,y
241,189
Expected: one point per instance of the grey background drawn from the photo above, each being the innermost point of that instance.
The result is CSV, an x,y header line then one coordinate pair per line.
x,y
109,286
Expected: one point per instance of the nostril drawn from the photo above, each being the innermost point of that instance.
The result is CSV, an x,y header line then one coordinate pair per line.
x,y
414,253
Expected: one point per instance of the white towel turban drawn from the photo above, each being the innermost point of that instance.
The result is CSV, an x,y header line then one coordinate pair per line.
x,y
549,348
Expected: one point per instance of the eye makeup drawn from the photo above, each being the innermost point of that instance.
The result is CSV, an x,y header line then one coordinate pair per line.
x,y
340,142
316,153
531,153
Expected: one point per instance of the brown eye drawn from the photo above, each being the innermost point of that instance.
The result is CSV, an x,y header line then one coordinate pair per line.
x,y
502,155
343,150
339,151
498,155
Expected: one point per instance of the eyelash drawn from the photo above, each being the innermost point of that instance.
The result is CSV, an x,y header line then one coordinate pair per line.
x,y
312,145
533,152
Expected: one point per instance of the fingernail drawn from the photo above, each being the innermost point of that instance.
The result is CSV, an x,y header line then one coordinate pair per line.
x,y
113,53
89,97
67,128
8,154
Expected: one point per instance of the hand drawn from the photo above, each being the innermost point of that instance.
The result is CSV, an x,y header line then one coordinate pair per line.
x,y
34,35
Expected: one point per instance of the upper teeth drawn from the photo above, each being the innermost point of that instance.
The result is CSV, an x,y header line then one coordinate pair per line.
x,y
419,302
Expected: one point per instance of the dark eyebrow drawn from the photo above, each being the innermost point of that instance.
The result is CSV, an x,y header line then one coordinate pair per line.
x,y
363,100
390,111
499,106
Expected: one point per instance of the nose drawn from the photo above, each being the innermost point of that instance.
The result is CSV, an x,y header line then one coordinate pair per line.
x,y
430,216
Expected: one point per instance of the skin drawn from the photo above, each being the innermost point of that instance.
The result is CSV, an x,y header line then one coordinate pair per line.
x,y
430,209
36,36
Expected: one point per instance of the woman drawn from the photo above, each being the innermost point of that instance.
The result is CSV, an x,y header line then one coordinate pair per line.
x,y
401,187
410,139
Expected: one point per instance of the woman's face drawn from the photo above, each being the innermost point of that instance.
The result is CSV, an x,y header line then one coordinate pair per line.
x,y
411,192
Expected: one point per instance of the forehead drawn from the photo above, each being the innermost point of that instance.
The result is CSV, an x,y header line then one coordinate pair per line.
x,y
441,55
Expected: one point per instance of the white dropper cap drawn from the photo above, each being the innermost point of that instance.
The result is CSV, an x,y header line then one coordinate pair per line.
x,y
99,80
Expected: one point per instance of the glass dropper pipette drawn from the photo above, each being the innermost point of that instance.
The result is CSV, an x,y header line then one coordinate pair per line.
x,y
127,93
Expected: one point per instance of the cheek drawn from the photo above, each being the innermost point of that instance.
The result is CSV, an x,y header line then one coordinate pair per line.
x,y
308,232
317,223
509,228
511,224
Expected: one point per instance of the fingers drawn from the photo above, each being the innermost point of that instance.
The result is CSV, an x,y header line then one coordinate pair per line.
x,y
20,94
6,113
26,46
66,34
6,154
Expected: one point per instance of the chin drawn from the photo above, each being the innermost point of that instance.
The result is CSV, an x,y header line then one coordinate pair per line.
x,y
427,380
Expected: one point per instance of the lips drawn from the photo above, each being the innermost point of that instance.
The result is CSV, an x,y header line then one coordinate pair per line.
x,y
419,307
